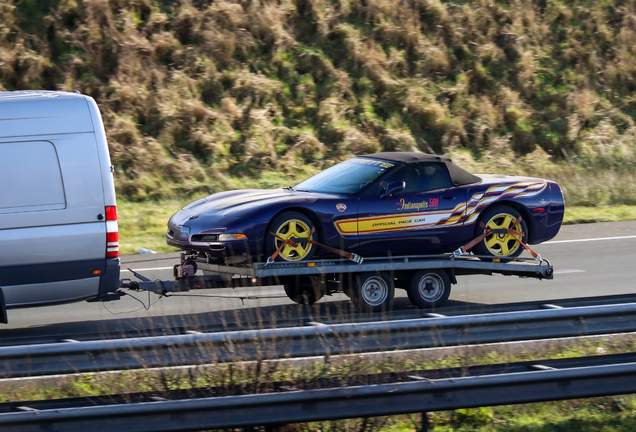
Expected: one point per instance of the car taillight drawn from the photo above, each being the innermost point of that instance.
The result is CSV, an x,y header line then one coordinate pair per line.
x,y
112,233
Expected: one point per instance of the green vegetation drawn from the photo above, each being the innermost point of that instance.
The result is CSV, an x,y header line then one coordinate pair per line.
x,y
616,413
576,215
200,96
144,225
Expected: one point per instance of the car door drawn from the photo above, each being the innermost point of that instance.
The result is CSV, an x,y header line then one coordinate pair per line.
x,y
421,219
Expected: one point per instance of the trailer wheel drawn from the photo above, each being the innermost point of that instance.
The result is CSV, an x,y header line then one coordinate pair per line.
x,y
372,292
429,288
303,291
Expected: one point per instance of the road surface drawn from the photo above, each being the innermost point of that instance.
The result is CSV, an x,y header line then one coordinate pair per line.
x,y
590,260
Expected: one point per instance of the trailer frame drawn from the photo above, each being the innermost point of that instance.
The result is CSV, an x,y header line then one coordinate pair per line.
x,y
329,276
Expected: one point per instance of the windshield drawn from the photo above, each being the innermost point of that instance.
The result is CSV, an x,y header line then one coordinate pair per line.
x,y
348,177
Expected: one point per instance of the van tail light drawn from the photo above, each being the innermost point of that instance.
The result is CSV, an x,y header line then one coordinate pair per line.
x,y
112,233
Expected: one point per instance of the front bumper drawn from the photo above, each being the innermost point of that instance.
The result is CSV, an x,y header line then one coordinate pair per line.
x,y
217,248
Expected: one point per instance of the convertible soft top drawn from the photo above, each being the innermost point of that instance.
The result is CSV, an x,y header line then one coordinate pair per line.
x,y
458,175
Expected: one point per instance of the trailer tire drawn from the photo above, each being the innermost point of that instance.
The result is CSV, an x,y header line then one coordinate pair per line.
x,y
304,290
429,288
372,292
296,225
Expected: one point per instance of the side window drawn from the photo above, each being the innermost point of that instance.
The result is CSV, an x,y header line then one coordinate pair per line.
x,y
412,179
30,177
433,176
423,177
418,178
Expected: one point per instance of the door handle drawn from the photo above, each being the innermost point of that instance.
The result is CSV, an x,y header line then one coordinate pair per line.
x,y
449,197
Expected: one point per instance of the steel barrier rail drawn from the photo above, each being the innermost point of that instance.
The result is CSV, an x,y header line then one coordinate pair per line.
x,y
202,348
333,404
298,317
255,385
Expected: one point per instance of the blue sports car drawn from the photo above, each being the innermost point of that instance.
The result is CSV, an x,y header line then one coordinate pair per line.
x,y
374,205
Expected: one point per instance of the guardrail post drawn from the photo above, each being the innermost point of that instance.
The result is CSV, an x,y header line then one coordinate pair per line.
x,y
3,309
425,422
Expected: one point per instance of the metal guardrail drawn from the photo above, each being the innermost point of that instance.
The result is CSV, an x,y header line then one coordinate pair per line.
x,y
579,378
202,348
289,315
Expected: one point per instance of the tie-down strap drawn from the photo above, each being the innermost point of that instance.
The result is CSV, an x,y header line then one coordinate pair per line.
x,y
296,241
487,231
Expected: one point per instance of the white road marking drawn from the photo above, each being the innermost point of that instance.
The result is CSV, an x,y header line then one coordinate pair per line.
x,y
590,239
148,269
566,271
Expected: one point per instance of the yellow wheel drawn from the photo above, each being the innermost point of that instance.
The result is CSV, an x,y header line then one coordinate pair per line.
x,y
501,244
290,225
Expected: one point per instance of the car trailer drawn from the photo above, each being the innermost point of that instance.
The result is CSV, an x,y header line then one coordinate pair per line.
x,y
369,282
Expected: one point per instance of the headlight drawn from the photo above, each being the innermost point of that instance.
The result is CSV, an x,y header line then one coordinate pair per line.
x,y
228,237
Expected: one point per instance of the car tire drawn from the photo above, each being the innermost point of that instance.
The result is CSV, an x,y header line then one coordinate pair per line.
x,y
429,288
294,224
500,245
304,290
372,292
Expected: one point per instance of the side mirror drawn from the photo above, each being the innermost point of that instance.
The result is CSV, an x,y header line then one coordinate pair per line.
x,y
392,188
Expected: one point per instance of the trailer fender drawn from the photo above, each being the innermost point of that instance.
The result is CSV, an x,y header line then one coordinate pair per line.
x,y
451,275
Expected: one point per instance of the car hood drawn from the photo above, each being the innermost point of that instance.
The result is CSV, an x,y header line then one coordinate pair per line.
x,y
234,203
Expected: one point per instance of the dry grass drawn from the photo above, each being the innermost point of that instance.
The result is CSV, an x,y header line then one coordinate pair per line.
x,y
197,95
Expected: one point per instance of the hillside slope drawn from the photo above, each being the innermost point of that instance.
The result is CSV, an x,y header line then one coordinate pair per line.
x,y
200,95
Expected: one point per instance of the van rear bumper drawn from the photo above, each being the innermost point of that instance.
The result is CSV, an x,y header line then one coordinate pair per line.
x,y
61,282
109,281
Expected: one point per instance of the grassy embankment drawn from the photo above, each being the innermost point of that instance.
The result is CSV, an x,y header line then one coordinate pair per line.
x,y
201,96
617,413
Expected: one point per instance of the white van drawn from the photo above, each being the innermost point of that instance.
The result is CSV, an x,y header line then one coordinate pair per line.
x,y
59,239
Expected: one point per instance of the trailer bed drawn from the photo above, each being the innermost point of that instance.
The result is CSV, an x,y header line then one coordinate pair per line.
x,y
333,273
527,267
